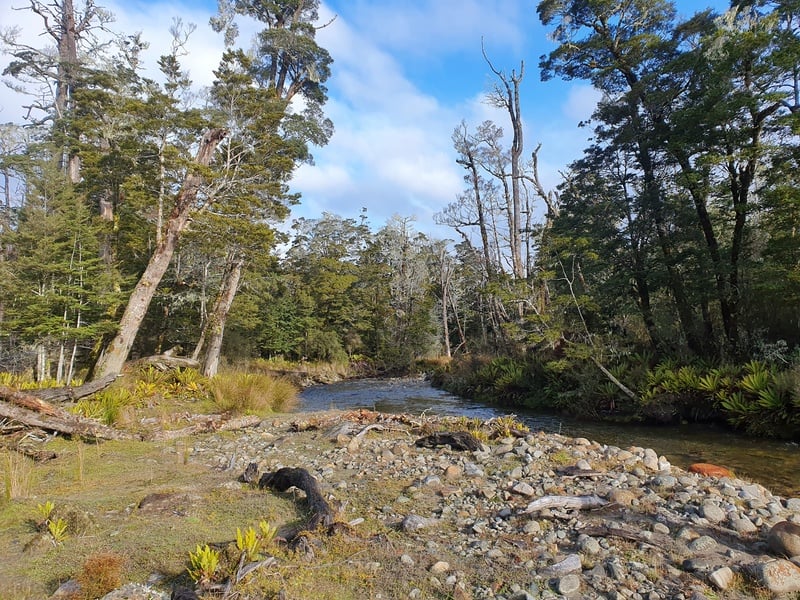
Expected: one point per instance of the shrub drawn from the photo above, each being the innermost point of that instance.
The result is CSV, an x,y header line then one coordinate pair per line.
x,y
252,393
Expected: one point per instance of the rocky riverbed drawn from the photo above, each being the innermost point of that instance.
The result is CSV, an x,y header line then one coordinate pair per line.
x,y
529,515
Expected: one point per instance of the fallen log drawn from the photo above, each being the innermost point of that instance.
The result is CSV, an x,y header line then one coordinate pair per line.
x,y
579,502
166,362
73,394
34,412
281,480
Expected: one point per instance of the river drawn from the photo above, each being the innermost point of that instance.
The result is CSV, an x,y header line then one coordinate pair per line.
x,y
774,464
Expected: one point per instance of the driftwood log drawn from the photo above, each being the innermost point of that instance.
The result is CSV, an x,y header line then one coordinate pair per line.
x,y
72,394
579,502
457,440
321,513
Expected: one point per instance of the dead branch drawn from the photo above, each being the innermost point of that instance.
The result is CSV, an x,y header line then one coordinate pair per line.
x,y
287,477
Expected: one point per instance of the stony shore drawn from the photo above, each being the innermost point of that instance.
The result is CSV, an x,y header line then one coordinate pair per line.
x,y
529,515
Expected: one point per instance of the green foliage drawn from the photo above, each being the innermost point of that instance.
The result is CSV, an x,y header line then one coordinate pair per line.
x,y
58,530
248,543
45,510
106,405
203,564
253,544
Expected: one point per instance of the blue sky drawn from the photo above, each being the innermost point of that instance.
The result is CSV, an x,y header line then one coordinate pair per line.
x,y
406,73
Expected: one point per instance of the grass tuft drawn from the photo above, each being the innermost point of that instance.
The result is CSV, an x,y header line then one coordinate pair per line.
x,y
17,476
101,574
252,393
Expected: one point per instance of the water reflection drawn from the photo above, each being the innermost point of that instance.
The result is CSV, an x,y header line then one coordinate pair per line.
x,y
775,464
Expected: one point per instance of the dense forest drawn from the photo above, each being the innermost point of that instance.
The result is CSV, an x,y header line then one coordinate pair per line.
x,y
660,280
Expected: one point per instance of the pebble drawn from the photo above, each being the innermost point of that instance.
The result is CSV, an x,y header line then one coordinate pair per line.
x,y
440,567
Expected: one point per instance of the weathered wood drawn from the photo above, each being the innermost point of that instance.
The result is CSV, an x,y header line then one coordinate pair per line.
x,y
283,479
579,502
165,362
211,423
34,412
457,440
72,394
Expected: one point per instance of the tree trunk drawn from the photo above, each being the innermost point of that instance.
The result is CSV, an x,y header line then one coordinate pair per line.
x,y
117,352
215,326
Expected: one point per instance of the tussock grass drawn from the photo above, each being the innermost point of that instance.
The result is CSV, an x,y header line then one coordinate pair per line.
x,y
101,573
241,393
17,475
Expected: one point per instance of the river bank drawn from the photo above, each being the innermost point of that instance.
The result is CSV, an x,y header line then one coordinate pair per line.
x,y
527,516
775,464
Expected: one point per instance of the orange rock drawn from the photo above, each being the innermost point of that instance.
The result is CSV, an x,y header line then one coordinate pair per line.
x,y
710,470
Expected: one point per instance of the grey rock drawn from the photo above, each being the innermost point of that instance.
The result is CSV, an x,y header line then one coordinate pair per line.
x,y
721,578
570,564
569,584
589,545
743,525
784,539
712,512
704,543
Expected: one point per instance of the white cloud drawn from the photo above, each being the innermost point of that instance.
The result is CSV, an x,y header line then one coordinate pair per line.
x,y
581,102
392,150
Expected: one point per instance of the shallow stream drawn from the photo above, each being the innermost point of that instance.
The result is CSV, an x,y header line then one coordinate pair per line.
x,y
774,464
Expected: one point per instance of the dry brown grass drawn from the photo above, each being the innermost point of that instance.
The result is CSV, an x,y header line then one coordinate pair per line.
x,y
101,573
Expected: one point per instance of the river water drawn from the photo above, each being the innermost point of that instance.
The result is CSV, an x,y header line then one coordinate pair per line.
x,y
774,464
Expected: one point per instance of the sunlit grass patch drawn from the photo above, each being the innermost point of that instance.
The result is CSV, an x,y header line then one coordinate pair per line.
x,y
240,393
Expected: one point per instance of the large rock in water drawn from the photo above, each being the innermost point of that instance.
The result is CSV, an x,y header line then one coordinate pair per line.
x,y
784,539
710,470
